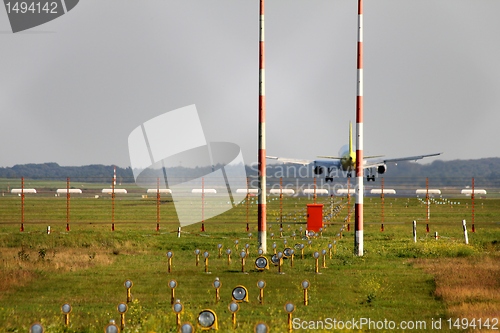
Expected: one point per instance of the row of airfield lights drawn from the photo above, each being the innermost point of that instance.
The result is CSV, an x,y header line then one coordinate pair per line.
x,y
207,319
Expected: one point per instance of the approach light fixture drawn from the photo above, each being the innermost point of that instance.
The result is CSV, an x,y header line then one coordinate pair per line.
x,y
323,252
260,251
170,255
228,251
261,328
128,285
111,327
280,262
207,320
305,285
240,294
186,328
287,252
236,242
66,310
36,328
219,247
233,308
274,248
178,308
261,263
206,255
247,248
122,309
289,308
330,246
243,255
197,253
172,284
261,284
316,266
217,284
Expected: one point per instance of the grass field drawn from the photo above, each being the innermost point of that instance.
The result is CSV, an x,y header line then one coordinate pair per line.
x,y
429,282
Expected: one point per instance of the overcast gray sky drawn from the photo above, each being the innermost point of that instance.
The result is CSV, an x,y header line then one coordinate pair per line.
x,y
72,90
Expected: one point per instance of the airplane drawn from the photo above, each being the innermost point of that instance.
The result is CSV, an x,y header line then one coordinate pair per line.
x,y
346,162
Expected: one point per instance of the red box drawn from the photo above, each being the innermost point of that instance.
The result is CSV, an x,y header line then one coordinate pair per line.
x,y
314,217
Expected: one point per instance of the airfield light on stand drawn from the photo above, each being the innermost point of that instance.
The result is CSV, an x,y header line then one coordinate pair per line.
x,y
330,246
243,255
217,284
66,310
293,235
206,255
170,255
280,262
111,327
261,328
272,235
239,294
233,308
274,248
289,308
323,252
261,284
281,232
260,251
207,320
186,328
310,243
316,265
247,249
261,263
219,247
122,309
197,253
236,242
172,284
36,328
228,252
128,285
178,308
249,235
305,286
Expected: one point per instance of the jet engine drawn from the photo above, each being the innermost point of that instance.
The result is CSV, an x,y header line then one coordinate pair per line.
x,y
318,170
381,169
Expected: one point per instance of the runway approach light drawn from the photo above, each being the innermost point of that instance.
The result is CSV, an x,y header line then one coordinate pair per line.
x,y
206,255
122,309
243,255
261,263
186,328
280,261
111,327
233,308
219,247
66,310
289,254
217,284
305,285
316,266
300,247
207,320
36,328
323,252
178,308
236,242
197,253
172,284
240,294
289,308
228,251
261,328
128,285
170,255
261,284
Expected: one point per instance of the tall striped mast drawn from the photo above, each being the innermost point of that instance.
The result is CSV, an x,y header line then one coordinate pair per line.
x,y
261,219
358,226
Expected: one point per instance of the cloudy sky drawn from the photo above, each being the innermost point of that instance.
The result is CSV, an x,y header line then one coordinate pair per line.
x,y
73,89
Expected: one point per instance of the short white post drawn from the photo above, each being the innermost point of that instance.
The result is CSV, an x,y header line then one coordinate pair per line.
x,y
178,232
465,232
414,231
48,230
436,236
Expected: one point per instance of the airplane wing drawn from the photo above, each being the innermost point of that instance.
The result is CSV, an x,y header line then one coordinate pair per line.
x,y
388,160
290,160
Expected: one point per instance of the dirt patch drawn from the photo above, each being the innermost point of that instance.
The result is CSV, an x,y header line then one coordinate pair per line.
x,y
18,265
470,287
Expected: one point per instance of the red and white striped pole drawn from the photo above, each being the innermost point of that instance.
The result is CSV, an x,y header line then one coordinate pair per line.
x,y
261,218
358,226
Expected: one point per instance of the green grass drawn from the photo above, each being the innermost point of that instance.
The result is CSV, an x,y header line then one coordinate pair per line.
x,y
383,284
